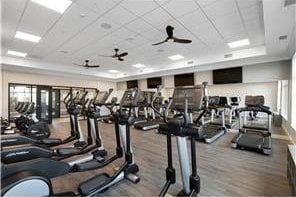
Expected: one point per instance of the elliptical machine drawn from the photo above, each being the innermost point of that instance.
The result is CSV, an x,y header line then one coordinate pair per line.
x,y
26,180
21,138
185,100
28,152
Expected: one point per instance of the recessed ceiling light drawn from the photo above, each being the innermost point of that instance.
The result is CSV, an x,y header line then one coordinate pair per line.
x,y
113,71
15,53
26,36
106,26
139,65
56,5
176,57
239,43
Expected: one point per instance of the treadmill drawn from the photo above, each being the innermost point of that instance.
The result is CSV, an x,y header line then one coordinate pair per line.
x,y
230,122
151,122
254,138
211,132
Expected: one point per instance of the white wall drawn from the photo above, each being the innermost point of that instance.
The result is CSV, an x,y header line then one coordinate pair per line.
x,y
257,79
29,78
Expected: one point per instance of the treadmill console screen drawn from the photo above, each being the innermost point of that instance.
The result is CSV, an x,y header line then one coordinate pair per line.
x,y
214,100
254,100
193,95
223,101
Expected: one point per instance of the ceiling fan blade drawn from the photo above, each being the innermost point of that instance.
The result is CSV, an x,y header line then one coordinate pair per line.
x,y
169,31
105,55
93,66
120,59
161,42
182,41
122,54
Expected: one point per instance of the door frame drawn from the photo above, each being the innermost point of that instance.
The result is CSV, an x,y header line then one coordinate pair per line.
x,y
38,102
57,107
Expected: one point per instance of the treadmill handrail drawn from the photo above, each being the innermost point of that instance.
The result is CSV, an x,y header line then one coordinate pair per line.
x,y
255,108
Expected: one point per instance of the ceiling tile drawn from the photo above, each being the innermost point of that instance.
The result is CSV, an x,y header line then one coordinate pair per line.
x,y
179,8
10,18
208,34
120,15
139,8
100,7
220,8
205,3
251,13
37,19
154,35
69,25
21,45
90,35
139,26
198,17
229,24
246,4
157,17
13,4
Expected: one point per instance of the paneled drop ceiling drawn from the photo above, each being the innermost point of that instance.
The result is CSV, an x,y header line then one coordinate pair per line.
x,y
80,33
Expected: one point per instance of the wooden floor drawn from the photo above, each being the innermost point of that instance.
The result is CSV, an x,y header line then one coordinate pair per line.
x,y
224,171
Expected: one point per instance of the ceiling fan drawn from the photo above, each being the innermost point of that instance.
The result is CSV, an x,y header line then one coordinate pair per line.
x,y
116,55
169,30
86,65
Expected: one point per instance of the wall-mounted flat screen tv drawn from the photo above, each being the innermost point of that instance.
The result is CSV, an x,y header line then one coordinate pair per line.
x,y
228,75
184,79
153,82
132,84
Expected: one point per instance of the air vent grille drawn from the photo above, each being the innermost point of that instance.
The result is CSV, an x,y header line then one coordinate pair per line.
x,y
289,2
284,37
227,55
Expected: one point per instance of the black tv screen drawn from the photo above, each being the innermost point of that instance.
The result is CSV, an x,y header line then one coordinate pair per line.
x,y
153,82
132,84
184,79
228,75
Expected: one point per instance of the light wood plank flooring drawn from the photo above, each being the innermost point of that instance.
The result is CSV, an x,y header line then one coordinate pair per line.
x,y
224,171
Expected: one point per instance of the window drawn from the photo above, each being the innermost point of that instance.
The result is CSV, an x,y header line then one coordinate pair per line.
x,y
293,111
285,98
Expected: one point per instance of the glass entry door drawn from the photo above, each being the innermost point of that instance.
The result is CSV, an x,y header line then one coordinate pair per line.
x,y
55,103
44,103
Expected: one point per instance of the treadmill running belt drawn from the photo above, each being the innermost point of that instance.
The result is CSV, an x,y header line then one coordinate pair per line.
x,y
251,140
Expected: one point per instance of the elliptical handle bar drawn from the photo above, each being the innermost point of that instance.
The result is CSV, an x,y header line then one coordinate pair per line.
x,y
167,108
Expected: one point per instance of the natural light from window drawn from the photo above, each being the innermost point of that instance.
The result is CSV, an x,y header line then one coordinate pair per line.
x,y
293,111
285,98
